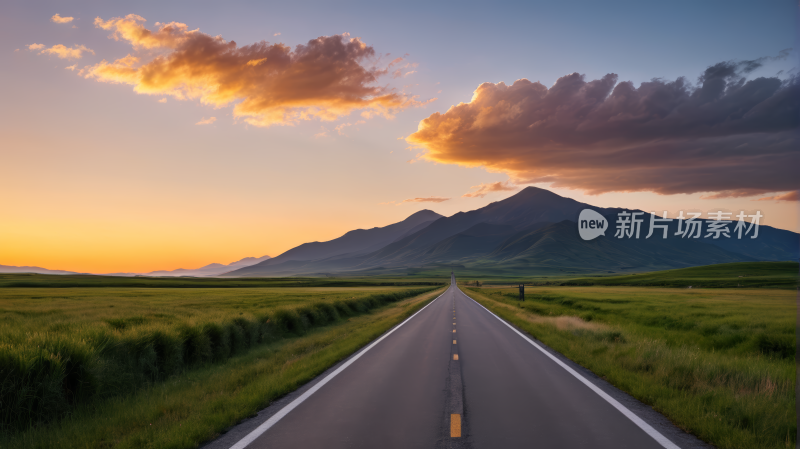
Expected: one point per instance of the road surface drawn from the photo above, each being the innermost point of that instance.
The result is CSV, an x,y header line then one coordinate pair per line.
x,y
456,376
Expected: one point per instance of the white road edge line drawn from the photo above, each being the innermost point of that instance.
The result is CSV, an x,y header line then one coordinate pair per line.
x,y
244,442
655,434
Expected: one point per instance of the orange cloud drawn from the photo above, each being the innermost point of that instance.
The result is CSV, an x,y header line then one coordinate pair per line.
x,y
58,19
728,135
340,128
481,190
71,67
268,84
35,46
163,100
206,121
788,196
430,199
64,52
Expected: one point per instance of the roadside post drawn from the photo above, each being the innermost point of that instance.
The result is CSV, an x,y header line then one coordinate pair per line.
x,y
522,292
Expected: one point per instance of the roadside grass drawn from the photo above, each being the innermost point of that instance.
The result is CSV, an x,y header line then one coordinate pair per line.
x,y
718,363
62,349
197,406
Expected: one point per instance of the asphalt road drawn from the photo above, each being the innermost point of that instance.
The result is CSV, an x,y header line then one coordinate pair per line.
x,y
456,376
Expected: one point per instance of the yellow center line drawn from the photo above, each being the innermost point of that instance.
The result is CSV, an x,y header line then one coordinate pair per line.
x,y
455,425
455,356
454,331
454,342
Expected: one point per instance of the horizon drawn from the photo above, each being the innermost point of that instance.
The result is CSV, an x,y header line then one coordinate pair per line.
x,y
121,172
705,216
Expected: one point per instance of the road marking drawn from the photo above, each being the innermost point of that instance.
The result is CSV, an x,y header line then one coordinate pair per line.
x,y
455,425
454,331
455,356
454,342
655,434
250,437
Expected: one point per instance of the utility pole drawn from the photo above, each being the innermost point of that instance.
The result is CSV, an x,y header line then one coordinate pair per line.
x,y
522,292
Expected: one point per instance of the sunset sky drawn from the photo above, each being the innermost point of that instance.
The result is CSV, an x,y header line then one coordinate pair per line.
x,y
163,135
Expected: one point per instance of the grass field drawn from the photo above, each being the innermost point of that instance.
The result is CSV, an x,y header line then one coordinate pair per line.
x,y
61,348
728,275
719,363
195,406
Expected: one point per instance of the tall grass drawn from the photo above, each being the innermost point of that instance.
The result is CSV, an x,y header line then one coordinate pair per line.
x,y
720,363
45,374
191,408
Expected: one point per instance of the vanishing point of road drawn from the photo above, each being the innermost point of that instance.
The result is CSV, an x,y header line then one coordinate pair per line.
x,y
454,375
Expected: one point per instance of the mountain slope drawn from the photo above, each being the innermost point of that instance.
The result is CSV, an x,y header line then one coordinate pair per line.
x,y
353,243
558,245
37,270
213,269
533,229
530,206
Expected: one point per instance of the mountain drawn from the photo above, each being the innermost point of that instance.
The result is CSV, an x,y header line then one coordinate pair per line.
x,y
213,269
37,270
351,244
534,230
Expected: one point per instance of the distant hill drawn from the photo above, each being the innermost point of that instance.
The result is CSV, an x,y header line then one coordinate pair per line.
x,y
533,230
213,269
37,270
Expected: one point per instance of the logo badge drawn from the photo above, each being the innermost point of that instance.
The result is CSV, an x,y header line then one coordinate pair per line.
x,y
591,224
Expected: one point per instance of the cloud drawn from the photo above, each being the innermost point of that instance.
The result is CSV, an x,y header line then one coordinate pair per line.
x,y
58,19
64,52
35,46
340,128
409,73
206,121
71,67
276,34
322,133
163,100
727,134
794,195
481,190
267,84
430,199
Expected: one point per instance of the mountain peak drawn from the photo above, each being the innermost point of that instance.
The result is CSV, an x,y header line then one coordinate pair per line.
x,y
425,214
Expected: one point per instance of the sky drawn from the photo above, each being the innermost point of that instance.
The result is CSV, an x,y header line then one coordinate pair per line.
x,y
140,136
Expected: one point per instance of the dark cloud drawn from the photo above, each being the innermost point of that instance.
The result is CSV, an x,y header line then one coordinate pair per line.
x,y
727,134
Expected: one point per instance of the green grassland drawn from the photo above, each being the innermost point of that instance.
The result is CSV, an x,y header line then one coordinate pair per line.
x,y
64,348
720,363
782,275
197,405
740,274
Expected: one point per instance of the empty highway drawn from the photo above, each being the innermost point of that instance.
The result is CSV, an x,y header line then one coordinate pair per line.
x,y
455,376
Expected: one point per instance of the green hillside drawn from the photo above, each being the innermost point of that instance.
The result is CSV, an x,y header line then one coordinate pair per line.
x,y
740,274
